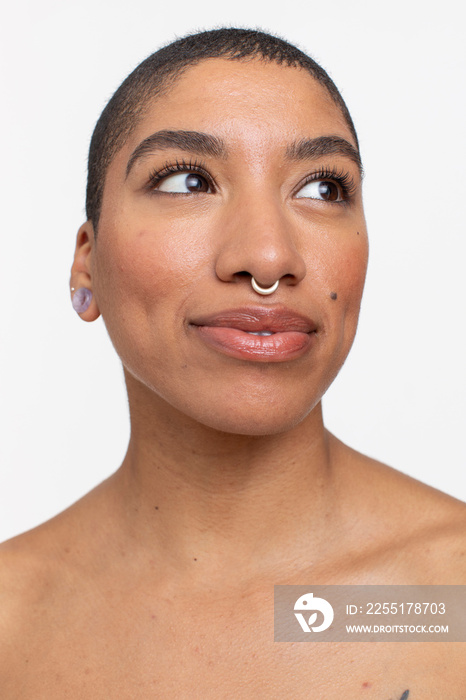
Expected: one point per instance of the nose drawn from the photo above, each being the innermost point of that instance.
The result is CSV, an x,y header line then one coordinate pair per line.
x,y
259,240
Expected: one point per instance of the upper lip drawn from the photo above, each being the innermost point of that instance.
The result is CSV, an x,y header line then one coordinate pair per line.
x,y
256,319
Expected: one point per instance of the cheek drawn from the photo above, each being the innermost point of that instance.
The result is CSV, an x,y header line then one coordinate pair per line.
x,y
133,278
144,268
341,272
144,279
351,265
338,268
139,282
349,288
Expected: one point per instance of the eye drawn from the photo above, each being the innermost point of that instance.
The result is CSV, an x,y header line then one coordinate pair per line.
x,y
325,190
184,183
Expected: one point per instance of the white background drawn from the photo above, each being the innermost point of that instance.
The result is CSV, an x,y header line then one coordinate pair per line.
x,y
400,67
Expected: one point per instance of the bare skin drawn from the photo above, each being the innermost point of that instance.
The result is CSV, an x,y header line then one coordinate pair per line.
x,y
159,583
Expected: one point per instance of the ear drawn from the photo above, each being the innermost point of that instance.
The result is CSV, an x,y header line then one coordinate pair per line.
x,y
81,274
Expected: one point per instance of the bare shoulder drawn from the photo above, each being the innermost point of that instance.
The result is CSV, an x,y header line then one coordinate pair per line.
x,y
39,570
423,528
27,566
25,583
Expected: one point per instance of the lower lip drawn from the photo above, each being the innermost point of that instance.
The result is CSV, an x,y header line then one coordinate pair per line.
x,y
277,347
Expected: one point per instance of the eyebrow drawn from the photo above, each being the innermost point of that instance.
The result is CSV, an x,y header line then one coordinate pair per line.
x,y
311,149
208,145
193,141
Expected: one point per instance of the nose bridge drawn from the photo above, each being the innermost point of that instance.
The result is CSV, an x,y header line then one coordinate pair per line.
x,y
259,239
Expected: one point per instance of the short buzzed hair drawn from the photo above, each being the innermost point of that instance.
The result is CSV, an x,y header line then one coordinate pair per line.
x,y
157,73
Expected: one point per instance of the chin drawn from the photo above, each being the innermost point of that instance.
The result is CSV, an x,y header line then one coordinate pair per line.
x,y
257,421
251,406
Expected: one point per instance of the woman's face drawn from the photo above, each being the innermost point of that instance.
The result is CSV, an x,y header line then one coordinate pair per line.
x,y
187,219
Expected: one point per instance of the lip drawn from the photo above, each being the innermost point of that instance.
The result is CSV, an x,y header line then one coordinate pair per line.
x,y
229,332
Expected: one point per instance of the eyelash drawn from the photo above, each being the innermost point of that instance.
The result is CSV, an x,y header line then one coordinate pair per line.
x,y
343,179
179,166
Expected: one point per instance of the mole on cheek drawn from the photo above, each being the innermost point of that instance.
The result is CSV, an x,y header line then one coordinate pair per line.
x,y
333,295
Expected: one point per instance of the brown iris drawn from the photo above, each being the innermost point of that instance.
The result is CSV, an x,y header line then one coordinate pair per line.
x,y
196,183
329,191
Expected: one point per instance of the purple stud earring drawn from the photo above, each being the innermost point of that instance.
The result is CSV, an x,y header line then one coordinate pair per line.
x,y
81,300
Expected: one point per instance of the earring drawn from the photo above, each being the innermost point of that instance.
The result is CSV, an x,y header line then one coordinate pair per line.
x,y
81,300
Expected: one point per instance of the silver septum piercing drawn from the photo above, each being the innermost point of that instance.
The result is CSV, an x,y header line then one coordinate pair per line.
x,y
264,290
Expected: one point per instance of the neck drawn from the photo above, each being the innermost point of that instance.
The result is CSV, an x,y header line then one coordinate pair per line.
x,y
209,502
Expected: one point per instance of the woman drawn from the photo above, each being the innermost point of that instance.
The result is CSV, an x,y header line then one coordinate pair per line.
x,y
226,250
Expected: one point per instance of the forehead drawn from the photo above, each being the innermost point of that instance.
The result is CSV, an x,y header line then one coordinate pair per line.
x,y
250,100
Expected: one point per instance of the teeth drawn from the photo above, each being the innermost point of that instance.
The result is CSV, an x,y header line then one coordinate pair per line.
x,y
260,333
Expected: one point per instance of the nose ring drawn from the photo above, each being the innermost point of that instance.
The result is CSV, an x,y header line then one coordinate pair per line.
x,y
264,290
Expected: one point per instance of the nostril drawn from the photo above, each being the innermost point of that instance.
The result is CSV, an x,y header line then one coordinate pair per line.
x,y
290,279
